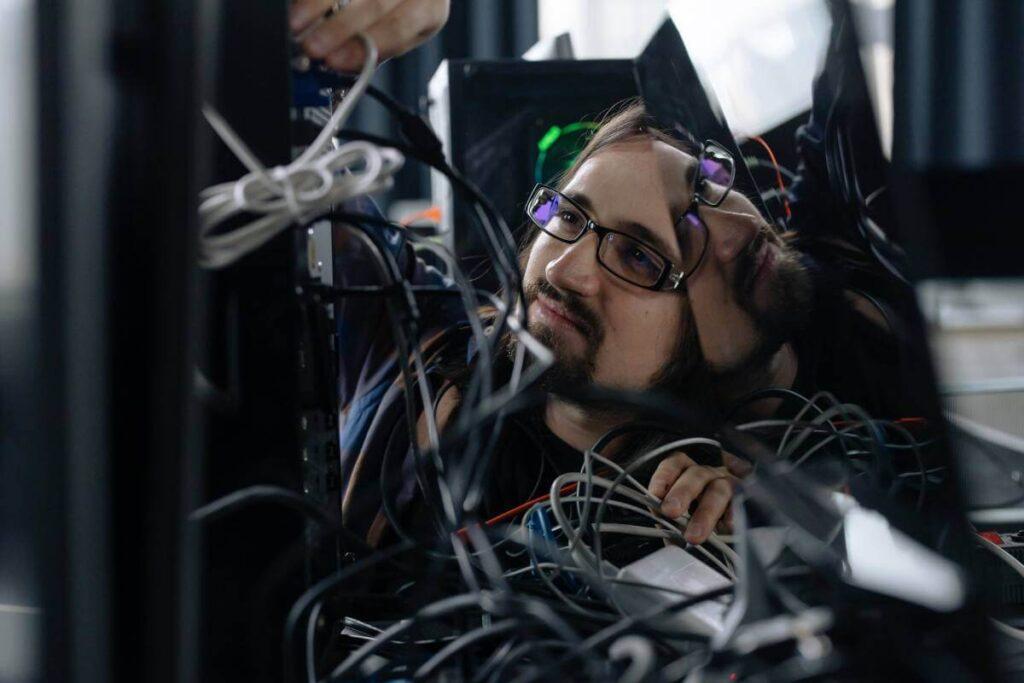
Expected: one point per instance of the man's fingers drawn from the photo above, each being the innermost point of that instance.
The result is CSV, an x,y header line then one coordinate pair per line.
x,y
714,503
409,25
686,489
405,27
348,58
666,473
356,17
303,13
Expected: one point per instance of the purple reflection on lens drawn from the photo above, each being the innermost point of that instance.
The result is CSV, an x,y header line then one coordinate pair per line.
x,y
715,171
544,211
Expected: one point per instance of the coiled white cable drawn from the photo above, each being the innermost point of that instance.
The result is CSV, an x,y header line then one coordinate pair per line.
x,y
322,176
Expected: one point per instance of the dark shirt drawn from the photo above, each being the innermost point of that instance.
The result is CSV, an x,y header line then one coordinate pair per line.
x,y
528,459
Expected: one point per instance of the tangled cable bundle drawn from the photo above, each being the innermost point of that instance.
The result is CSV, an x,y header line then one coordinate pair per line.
x,y
322,176
542,590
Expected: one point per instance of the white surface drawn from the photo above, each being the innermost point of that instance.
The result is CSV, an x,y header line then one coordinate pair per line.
x,y
759,57
673,568
20,625
976,333
884,560
602,29
17,151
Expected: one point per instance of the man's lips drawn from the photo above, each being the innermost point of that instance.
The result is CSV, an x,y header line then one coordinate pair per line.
x,y
555,312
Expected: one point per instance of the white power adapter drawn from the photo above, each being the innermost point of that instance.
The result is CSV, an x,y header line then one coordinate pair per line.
x,y
671,573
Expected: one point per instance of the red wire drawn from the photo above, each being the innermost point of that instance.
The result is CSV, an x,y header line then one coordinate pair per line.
x,y
778,174
522,507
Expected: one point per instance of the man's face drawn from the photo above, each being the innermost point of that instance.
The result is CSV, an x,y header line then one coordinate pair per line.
x,y
743,298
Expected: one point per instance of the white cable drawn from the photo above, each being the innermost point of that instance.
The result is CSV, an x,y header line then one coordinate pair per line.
x,y
1006,557
714,539
1008,630
1016,566
812,403
637,530
638,462
644,498
319,178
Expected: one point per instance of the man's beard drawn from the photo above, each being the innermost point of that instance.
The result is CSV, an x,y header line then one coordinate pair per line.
x,y
687,374
569,371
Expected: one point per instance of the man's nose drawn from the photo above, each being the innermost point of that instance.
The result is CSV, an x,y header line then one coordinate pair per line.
x,y
575,268
729,232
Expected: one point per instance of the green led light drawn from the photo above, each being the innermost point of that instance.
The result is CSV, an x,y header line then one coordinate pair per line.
x,y
552,136
549,138
579,125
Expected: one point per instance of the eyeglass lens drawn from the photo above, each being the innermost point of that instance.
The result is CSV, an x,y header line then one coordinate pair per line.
x,y
718,171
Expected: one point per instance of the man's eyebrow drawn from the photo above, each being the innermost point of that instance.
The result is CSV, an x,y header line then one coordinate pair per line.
x,y
580,199
638,230
645,234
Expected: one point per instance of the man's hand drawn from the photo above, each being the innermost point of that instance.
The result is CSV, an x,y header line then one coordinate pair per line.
x,y
679,481
396,26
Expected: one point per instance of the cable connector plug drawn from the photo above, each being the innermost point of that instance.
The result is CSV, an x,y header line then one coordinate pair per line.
x,y
422,137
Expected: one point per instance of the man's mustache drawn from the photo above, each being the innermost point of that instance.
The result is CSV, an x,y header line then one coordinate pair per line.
x,y
587,319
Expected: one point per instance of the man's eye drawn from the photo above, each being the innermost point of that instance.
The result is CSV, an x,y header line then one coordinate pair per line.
x,y
639,257
569,216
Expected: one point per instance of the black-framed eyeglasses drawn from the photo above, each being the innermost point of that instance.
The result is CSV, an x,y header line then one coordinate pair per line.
x,y
715,174
620,253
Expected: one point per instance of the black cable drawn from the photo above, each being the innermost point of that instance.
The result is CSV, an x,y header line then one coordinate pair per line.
x,y
403,328
486,214
484,359
321,588
462,288
489,218
314,615
621,627
255,495
768,392
912,442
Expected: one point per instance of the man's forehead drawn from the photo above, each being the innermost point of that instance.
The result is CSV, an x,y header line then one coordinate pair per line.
x,y
661,170
645,182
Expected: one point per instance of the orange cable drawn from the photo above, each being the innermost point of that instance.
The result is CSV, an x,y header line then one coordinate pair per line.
x,y
778,174
432,214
